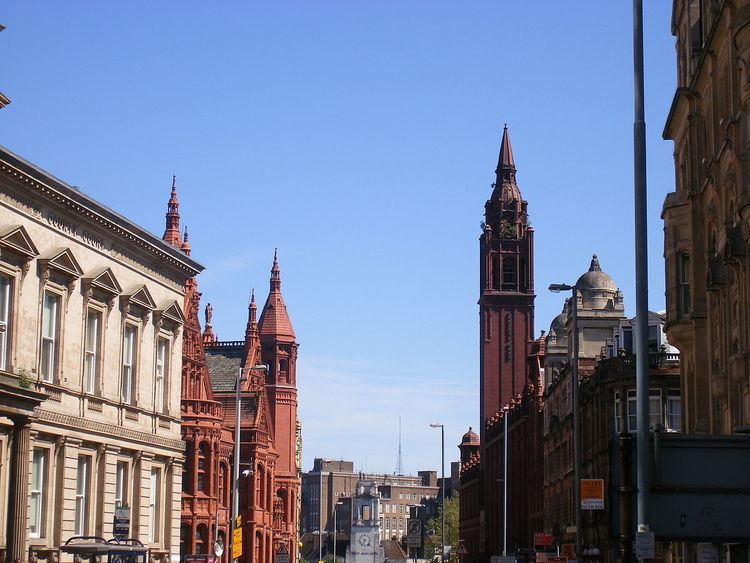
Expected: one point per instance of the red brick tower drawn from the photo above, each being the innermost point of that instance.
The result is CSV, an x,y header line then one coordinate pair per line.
x,y
506,307
205,483
279,352
506,295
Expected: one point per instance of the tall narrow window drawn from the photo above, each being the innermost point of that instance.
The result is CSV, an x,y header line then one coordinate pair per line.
x,y
121,480
91,350
674,410
153,505
162,347
509,273
4,321
36,500
128,363
82,483
203,464
683,285
49,335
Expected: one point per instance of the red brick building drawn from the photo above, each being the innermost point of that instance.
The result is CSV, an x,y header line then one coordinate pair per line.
x,y
509,376
269,429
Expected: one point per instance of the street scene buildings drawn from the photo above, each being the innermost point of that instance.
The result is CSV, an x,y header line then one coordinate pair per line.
x,y
130,432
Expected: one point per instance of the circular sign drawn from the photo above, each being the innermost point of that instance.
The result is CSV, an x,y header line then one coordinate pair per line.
x,y
218,547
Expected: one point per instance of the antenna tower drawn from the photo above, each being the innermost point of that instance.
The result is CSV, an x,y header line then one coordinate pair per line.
x,y
400,462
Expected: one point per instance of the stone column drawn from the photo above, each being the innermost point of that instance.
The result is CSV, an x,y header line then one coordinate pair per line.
x,y
18,493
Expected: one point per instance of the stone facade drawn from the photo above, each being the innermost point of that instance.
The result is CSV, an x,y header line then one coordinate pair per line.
x,y
91,331
707,219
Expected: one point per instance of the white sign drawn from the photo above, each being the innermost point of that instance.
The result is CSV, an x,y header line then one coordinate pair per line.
x,y
644,545
501,559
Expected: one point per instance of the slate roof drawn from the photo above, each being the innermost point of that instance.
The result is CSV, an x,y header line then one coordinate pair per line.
x,y
224,359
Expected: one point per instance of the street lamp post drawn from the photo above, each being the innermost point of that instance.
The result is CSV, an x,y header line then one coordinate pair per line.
x,y
442,502
236,468
320,515
335,529
505,481
556,288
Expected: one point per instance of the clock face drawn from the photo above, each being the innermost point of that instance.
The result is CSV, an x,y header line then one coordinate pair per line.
x,y
364,541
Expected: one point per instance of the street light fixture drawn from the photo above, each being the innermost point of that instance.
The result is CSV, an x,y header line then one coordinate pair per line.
x,y
442,502
557,288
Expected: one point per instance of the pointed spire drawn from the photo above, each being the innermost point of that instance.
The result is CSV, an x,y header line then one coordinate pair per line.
x,y
505,163
251,330
185,246
172,231
275,272
274,320
595,267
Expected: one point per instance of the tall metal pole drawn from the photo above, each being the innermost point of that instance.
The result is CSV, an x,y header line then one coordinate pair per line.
x,y
641,275
576,428
505,481
335,530
442,504
236,468
320,515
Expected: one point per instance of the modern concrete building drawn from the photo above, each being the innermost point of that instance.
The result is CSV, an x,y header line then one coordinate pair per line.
x,y
90,352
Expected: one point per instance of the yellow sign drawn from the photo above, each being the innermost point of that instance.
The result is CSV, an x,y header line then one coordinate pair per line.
x,y
238,521
592,494
237,543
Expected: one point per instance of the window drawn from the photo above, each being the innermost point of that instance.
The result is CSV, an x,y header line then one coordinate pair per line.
x,y
128,363
619,427
202,468
153,505
683,284
655,414
162,348
674,410
82,483
49,335
91,350
4,320
509,272
121,479
36,501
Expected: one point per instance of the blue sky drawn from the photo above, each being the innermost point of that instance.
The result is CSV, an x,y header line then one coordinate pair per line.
x,y
360,138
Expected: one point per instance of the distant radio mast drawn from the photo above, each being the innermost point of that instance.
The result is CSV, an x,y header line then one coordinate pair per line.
x,y
400,462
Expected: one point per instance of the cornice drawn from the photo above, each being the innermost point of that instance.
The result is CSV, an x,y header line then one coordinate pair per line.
x,y
107,430
57,191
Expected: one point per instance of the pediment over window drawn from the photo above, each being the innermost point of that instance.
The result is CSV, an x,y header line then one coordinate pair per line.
x,y
18,240
105,281
140,297
172,312
62,262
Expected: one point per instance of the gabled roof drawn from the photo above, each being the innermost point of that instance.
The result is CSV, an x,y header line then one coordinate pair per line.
x,y
140,296
171,310
105,280
62,260
16,238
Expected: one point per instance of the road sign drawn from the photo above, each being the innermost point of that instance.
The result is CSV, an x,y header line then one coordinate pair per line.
x,y
644,545
461,549
592,494
236,543
543,540
282,555
413,542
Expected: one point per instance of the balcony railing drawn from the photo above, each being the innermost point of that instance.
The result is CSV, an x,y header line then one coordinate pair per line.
x,y
659,360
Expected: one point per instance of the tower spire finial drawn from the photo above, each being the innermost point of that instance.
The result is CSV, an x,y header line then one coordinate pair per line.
x,y
172,230
505,162
275,272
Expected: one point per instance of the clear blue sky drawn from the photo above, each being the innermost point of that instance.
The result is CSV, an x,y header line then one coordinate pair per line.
x,y
360,138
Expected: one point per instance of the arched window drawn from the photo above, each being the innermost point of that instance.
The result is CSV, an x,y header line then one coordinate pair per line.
x,y
204,462
201,539
258,546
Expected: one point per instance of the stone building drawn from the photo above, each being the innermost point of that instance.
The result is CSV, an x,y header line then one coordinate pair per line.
x,y
707,218
506,310
90,349
337,480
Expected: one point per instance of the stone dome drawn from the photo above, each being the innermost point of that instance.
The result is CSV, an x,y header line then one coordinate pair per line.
x,y
558,324
595,279
470,438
